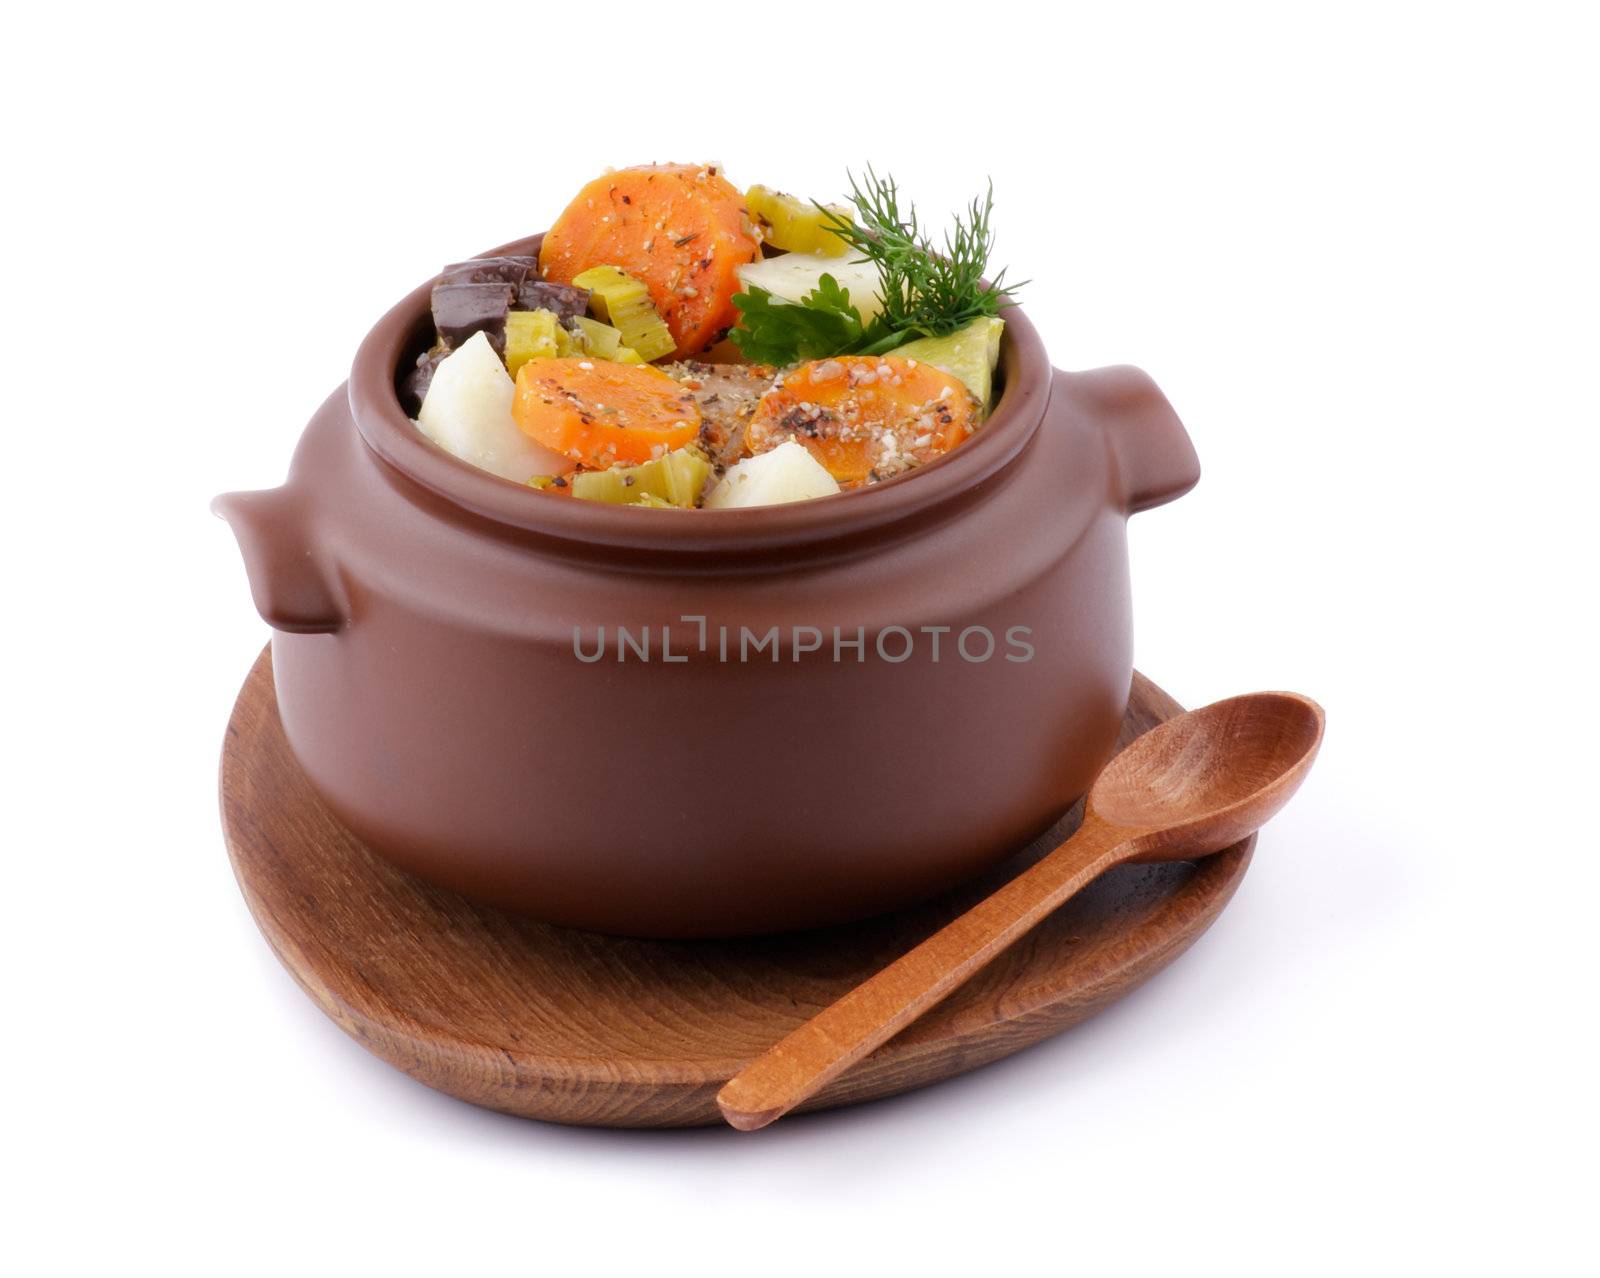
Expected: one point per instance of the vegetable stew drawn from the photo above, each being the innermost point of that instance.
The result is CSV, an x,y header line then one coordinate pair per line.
x,y
680,344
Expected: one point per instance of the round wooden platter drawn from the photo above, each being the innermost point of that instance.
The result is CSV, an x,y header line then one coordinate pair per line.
x,y
574,1027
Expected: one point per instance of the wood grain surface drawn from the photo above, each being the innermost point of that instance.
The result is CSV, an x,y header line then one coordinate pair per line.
x,y
574,1027
1191,786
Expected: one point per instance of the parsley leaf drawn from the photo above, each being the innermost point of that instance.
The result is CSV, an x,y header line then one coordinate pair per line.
x,y
927,291
823,323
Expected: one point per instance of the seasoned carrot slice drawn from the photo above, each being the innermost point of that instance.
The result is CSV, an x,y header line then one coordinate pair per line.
x,y
864,416
681,229
601,413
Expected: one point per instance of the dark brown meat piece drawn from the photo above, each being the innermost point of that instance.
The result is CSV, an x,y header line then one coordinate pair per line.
x,y
491,270
415,383
463,308
727,395
544,295
475,296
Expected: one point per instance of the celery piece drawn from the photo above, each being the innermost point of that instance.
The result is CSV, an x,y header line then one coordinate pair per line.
x,y
600,340
532,335
676,479
624,303
658,503
797,225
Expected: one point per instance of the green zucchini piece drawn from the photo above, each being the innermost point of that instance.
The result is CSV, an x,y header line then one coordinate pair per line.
x,y
969,354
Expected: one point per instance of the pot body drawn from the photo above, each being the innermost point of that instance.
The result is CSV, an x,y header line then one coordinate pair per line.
x,y
705,743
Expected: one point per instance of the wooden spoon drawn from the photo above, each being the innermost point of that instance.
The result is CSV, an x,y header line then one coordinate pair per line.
x,y
1191,786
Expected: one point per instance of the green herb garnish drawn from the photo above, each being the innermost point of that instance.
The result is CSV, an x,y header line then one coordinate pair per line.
x,y
823,324
926,293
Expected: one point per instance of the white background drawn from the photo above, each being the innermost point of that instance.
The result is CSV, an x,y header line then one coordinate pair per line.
x,y
1357,248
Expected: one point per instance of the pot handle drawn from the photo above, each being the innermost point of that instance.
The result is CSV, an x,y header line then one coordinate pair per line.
x,y
294,587
1153,457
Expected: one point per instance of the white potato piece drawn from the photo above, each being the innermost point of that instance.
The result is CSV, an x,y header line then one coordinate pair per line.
x,y
790,276
785,473
467,411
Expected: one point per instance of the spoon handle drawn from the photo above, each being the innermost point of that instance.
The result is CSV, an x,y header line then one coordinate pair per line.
x,y
836,1038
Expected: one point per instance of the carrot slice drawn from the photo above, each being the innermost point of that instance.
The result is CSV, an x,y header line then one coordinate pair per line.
x,y
864,416
601,413
680,229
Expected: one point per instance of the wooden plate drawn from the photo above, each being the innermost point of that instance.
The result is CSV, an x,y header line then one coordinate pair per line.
x,y
574,1027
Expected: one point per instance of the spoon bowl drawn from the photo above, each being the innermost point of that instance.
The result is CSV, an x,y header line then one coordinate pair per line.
x,y
1206,779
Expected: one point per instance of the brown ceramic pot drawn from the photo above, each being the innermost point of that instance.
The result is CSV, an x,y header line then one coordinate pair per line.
x,y
436,630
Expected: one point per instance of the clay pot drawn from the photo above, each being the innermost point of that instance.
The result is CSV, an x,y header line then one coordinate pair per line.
x,y
436,630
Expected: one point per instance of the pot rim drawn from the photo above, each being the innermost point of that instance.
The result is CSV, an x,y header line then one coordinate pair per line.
x,y
390,433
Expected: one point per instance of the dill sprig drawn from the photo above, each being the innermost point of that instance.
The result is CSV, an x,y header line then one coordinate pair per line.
x,y
925,291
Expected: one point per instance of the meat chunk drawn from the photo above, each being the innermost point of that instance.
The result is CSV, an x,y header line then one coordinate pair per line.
x,y
727,395
474,296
